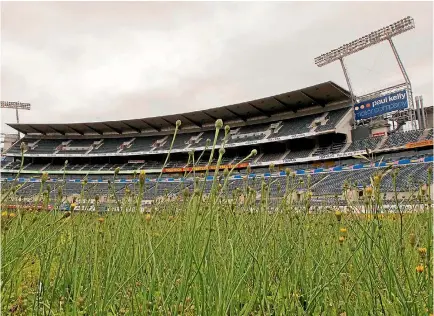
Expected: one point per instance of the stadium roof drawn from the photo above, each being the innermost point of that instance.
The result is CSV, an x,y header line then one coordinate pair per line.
x,y
318,95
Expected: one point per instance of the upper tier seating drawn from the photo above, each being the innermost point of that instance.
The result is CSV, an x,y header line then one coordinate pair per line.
x,y
295,126
45,146
85,144
142,144
249,133
333,118
110,145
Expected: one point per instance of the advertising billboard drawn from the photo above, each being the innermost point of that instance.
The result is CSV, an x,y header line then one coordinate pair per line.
x,y
381,105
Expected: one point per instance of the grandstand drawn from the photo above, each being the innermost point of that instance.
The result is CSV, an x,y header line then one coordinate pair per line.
x,y
309,130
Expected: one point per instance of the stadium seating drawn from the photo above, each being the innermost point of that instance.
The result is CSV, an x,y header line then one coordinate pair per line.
x,y
363,144
334,182
408,178
332,149
249,133
299,154
294,126
271,157
110,145
45,146
12,165
141,144
332,118
400,139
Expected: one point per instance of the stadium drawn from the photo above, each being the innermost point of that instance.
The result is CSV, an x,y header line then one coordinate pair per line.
x,y
310,131
316,201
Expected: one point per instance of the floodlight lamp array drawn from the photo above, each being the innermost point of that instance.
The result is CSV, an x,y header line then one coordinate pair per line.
x,y
373,38
15,105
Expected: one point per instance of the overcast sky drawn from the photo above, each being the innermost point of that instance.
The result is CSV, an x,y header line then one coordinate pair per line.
x,y
93,61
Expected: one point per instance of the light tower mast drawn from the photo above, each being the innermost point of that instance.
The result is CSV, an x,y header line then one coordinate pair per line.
x,y
17,106
383,34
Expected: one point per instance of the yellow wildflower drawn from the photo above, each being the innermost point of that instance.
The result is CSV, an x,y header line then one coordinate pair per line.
x,y
422,252
377,180
341,239
4,214
338,215
343,230
12,215
148,217
101,220
419,268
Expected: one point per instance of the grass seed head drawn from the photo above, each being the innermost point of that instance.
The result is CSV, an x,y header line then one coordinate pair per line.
x,y
117,171
142,177
287,171
44,177
412,239
227,129
219,123
178,123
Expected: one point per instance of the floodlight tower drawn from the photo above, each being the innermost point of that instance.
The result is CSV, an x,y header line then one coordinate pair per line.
x,y
17,106
383,34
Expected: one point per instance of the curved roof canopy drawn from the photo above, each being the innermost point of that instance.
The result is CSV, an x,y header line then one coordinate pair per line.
x,y
318,95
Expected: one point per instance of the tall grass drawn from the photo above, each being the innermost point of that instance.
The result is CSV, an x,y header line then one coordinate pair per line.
x,y
221,253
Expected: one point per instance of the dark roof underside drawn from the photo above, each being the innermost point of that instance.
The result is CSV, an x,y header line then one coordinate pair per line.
x,y
321,94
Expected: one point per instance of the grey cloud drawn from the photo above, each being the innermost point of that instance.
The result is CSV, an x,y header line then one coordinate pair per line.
x,y
85,61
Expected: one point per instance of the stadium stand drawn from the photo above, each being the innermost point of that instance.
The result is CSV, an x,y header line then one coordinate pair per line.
x,y
276,127
367,143
400,139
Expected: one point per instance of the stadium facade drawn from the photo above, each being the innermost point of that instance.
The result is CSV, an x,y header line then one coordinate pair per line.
x,y
311,131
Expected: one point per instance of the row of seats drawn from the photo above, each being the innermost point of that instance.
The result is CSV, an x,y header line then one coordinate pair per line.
x,y
409,179
154,163
187,140
144,143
